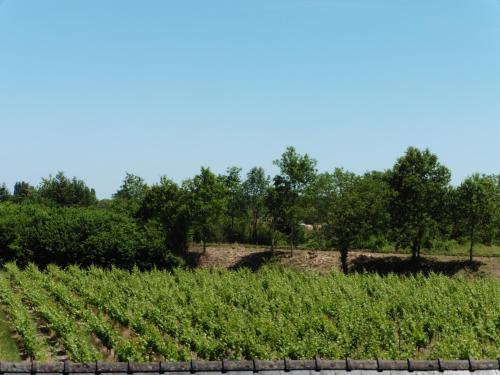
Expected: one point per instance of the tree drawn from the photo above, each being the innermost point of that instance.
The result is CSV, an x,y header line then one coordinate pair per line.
x,y
66,192
166,202
320,196
296,173
317,198
318,202
358,210
206,203
234,195
477,203
133,187
4,193
278,205
23,190
254,190
420,184
131,194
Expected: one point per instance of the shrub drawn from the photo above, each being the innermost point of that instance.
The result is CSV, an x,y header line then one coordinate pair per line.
x,y
84,236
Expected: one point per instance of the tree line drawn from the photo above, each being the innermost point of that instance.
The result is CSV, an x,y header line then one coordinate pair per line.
x,y
410,206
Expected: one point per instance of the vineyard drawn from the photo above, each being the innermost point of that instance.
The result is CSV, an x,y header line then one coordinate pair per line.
x,y
96,314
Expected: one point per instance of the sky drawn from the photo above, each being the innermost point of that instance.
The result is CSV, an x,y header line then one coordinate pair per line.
x,y
100,88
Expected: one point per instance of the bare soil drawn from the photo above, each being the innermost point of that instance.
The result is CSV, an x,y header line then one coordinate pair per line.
x,y
238,256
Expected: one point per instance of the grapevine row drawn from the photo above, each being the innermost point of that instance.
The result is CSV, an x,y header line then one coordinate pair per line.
x,y
34,345
75,339
106,300
125,350
276,313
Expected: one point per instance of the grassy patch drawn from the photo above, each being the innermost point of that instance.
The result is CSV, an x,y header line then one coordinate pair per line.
x,y
8,348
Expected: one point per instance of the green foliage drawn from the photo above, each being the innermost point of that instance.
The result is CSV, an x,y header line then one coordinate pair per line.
x,y
359,212
233,229
167,203
4,193
319,196
276,313
254,194
131,194
443,246
75,338
9,350
63,191
133,188
22,322
23,191
478,202
297,208
297,172
206,203
85,236
96,323
420,184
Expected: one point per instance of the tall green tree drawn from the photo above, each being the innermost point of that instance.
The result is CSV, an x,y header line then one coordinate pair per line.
x,y
234,195
167,203
358,210
421,185
131,194
4,193
278,206
64,191
318,198
296,173
477,202
22,191
206,203
254,190
133,187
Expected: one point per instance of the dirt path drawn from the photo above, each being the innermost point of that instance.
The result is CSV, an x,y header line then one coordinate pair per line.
x,y
234,257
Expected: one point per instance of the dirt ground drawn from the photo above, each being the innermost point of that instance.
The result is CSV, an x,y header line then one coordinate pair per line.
x,y
234,257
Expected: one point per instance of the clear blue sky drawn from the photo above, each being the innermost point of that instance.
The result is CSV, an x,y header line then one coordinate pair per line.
x,y
98,88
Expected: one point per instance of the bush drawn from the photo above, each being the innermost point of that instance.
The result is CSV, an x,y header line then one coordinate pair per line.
x,y
83,236
374,242
443,246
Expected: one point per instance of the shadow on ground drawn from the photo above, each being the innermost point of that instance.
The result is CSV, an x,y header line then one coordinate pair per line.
x,y
193,258
255,261
406,266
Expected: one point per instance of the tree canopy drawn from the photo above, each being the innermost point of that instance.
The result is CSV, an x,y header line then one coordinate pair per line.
x,y
409,207
420,184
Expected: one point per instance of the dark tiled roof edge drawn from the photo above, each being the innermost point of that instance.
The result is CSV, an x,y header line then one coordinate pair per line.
x,y
255,365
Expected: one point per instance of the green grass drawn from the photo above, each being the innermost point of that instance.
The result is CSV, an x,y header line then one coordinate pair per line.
x,y
450,249
463,250
8,348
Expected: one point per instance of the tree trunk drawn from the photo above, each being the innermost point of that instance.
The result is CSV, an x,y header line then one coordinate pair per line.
x,y
343,259
232,227
272,237
254,228
471,244
414,251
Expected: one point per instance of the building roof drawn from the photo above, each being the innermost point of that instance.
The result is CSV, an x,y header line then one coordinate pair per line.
x,y
295,367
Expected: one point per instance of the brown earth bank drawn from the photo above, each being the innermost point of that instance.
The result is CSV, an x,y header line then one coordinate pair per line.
x,y
239,256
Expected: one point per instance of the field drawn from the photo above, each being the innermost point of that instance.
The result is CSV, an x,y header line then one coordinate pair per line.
x,y
85,315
